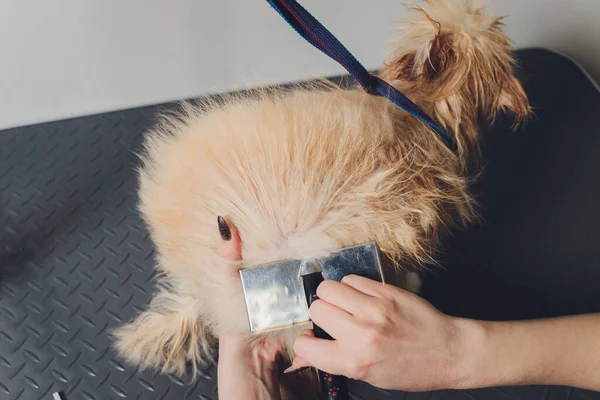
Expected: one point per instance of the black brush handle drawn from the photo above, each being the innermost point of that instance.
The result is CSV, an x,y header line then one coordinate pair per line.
x,y
333,387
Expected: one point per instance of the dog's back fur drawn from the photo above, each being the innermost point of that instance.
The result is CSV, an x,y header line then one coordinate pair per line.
x,y
308,171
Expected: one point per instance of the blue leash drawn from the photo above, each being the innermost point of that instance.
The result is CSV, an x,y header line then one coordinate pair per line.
x,y
316,34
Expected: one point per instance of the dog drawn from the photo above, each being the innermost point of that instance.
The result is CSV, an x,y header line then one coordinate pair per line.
x,y
311,170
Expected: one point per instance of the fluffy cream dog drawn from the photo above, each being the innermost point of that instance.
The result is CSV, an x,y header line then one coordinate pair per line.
x,y
308,171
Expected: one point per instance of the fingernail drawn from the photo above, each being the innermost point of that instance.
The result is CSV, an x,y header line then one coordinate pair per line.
x,y
224,229
291,370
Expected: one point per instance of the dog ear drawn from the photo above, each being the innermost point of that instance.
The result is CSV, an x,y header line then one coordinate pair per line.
x,y
512,97
454,61
436,67
434,75
453,66
445,64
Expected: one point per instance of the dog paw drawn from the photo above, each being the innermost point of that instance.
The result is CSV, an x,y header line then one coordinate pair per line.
x,y
164,342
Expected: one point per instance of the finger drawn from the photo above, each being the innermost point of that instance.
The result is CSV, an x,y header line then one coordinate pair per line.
x,y
306,332
320,353
230,248
335,321
231,244
365,285
297,364
345,297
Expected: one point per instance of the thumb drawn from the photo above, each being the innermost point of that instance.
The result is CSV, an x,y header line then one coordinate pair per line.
x,y
323,354
298,362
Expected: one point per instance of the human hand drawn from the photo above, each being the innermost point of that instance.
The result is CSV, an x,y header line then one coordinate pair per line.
x,y
385,336
248,367
395,340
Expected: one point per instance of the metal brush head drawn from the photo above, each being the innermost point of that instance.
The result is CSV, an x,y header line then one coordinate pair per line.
x,y
274,292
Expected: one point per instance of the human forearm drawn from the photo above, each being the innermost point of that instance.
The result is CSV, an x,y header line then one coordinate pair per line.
x,y
556,351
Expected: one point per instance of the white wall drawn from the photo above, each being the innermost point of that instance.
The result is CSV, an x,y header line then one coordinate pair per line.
x,y
65,58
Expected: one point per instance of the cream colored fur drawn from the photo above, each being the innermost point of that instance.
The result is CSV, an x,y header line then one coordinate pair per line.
x,y
309,171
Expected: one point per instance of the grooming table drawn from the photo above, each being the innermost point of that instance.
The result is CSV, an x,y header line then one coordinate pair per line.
x,y
76,260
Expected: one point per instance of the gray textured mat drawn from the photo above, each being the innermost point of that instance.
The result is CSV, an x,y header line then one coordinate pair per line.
x,y
75,261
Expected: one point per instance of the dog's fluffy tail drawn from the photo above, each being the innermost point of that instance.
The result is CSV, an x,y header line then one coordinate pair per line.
x,y
454,61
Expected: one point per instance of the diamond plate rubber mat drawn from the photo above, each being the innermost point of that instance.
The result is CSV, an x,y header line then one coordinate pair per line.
x,y
76,261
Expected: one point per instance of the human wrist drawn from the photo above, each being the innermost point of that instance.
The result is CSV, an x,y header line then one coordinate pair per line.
x,y
468,344
501,354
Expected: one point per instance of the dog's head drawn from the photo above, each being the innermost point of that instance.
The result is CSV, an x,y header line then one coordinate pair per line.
x,y
456,63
